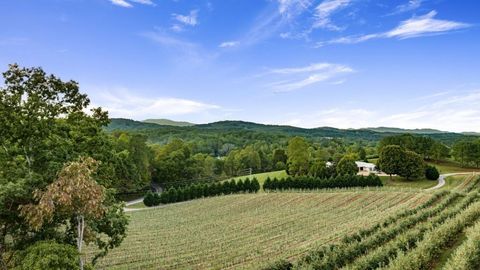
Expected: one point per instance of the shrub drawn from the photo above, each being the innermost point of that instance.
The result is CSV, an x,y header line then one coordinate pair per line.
x,y
149,199
431,173
309,183
48,255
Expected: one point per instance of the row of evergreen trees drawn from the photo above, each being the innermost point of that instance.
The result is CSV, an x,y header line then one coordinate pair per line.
x,y
307,182
195,191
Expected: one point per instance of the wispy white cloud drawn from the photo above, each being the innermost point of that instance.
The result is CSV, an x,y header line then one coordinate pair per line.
x,y
415,27
228,44
409,6
190,19
120,102
424,25
128,3
324,11
121,3
290,79
450,111
292,7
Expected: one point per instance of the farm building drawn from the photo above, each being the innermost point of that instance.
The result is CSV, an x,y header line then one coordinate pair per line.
x,y
366,167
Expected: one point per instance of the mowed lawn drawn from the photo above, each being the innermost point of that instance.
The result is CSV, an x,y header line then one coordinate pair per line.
x,y
261,177
247,231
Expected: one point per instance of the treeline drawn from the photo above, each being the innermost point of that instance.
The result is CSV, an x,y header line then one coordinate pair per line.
x,y
426,147
467,152
240,133
310,183
195,191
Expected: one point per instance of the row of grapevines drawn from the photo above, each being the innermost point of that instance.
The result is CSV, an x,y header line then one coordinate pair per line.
x,y
336,256
435,241
467,256
408,240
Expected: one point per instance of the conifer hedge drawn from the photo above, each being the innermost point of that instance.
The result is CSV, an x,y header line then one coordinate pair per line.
x,y
308,183
195,191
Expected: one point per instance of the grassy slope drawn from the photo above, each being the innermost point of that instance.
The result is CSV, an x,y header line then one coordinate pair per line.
x,y
403,183
247,231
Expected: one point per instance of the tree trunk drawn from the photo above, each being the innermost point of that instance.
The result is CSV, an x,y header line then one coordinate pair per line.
x,y
80,229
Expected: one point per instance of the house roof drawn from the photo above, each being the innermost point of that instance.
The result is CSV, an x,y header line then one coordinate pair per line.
x,y
365,164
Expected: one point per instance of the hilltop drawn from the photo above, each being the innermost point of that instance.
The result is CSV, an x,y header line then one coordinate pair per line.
x,y
161,133
168,122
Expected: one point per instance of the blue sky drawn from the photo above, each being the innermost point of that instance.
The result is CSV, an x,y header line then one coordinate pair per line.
x,y
340,63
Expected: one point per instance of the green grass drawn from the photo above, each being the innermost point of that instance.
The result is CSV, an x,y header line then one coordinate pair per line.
x,y
247,231
137,205
261,177
400,182
448,166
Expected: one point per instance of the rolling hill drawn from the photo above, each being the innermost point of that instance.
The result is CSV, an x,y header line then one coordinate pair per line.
x,y
168,122
233,129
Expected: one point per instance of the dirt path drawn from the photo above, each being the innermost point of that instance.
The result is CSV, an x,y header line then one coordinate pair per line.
x,y
441,180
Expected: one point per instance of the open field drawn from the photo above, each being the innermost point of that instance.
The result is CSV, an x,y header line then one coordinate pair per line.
x,y
249,230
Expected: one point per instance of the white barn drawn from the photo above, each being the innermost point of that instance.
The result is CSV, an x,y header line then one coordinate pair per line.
x,y
366,167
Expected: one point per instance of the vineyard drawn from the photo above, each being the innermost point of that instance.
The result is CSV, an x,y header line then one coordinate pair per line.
x,y
412,239
251,230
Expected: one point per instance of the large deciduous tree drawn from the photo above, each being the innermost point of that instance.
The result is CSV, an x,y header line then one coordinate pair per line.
x,y
412,166
76,196
43,126
391,159
298,156
347,166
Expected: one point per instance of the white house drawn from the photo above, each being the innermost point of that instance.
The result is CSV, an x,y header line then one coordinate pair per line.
x,y
366,167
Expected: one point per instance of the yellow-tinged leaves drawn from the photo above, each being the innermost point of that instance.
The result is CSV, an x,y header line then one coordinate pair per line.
x,y
75,192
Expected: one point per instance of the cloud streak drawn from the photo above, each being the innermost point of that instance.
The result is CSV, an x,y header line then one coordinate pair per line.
x,y
415,27
324,11
409,6
229,44
128,3
124,104
291,79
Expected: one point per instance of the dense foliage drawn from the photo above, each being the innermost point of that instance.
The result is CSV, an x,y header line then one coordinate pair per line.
x,y
48,255
44,126
308,183
431,173
467,152
195,191
427,147
395,159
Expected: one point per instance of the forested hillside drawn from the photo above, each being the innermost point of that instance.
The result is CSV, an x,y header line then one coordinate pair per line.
x,y
239,132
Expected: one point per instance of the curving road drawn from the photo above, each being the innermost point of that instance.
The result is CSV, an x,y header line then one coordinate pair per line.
x,y
441,180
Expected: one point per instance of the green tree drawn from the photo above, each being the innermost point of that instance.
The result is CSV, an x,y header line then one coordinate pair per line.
x,y
362,154
298,156
74,196
44,126
173,162
391,159
413,165
439,151
279,155
347,166
48,255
